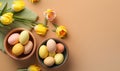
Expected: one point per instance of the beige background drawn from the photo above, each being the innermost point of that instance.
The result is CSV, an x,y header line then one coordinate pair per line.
x,y
93,38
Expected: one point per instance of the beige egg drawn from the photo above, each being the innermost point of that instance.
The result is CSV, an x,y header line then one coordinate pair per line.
x,y
18,49
43,52
13,39
59,58
28,47
24,37
49,61
51,45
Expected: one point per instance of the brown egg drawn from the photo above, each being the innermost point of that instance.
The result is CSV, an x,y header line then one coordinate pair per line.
x,y
49,61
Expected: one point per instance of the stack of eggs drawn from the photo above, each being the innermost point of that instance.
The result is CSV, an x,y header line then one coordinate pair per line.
x,y
20,43
52,53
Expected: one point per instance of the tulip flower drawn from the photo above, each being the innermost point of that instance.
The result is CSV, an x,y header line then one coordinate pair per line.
x,y
6,18
34,1
34,68
18,5
31,68
61,31
41,29
50,14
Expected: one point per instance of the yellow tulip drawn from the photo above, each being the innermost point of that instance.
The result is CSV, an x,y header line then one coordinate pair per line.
x,y
6,18
18,5
34,68
50,14
34,1
40,29
61,31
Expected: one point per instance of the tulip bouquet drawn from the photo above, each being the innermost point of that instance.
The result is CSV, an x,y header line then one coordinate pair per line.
x,y
13,14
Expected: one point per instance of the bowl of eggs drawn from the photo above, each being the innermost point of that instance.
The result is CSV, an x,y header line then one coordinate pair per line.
x,y
52,53
20,44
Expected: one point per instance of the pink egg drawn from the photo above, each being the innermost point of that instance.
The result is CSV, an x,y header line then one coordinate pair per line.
x,y
60,48
13,39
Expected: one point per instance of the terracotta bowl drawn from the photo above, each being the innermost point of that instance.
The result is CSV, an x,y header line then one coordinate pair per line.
x,y
8,47
65,53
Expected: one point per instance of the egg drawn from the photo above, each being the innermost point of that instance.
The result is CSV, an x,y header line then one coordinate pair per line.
x,y
24,37
18,49
51,45
43,52
28,47
52,54
13,39
59,58
60,48
49,61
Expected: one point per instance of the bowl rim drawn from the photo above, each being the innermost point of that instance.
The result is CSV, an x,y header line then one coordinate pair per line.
x,y
11,55
57,66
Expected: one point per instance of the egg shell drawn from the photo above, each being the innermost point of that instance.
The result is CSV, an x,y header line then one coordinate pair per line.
x,y
13,38
24,37
51,45
18,49
49,61
52,54
28,47
60,48
59,58
43,52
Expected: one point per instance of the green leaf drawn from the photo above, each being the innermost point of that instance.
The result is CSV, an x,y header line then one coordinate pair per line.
x,y
1,41
4,7
1,25
27,14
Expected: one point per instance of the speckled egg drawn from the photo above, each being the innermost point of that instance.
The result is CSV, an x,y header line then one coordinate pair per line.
x,y
49,61
51,45
13,39
59,58
43,52
60,48
28,47
18,49
24,37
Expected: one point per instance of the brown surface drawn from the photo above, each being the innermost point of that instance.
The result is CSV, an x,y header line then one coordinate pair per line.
x,y
94,34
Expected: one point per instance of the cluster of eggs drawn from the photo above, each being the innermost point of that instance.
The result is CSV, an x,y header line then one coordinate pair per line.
x,y
20,43
52,53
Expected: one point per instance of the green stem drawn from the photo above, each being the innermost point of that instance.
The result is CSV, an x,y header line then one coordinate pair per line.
x,y
55,25
45,21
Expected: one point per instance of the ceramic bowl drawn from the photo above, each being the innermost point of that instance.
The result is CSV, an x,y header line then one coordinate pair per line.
x,y
65,53
8,47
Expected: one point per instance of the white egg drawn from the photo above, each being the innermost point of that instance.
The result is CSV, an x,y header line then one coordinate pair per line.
x,y
51,45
